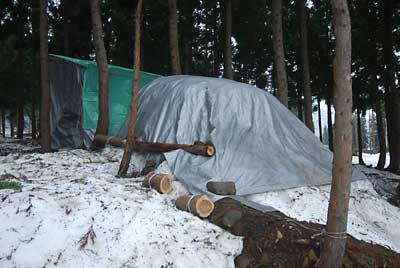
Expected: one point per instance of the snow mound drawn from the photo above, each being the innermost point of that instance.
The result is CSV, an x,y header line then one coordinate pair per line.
x,y
371,218
64,194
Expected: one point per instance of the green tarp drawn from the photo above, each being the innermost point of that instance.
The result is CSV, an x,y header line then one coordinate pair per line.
x,y
119,97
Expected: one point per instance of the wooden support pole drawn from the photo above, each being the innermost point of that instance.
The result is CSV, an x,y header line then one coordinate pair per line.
x,y
198,205
197,149
161,182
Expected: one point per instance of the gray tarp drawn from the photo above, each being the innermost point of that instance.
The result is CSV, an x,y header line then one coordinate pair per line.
x,y
260,144
65,84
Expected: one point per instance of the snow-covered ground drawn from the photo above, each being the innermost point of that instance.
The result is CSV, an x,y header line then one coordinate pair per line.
x,y
68,193
371,218
371,159
64,194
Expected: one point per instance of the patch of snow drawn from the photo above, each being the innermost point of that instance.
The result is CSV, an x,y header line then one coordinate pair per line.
x,y
371,218
65,193
371,159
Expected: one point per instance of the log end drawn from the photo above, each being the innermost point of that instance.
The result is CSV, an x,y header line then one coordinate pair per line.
x,y
210,150
204,206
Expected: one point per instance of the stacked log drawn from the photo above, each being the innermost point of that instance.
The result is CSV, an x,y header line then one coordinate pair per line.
x,y
198,205
160,182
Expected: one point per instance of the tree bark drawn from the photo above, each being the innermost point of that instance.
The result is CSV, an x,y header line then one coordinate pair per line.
x,y
305,67
228,71
319,119
359,139
102,67
335,238
391,98
44,78
173,37
279,53
126,158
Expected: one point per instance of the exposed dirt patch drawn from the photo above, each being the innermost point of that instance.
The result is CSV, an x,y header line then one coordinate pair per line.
x,y
274,240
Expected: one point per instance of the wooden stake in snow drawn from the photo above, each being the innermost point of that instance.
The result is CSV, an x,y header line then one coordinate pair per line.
x,y
161,182
126,158
198,205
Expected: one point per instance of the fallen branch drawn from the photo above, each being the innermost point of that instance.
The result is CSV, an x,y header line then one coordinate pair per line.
x,y
90,234
161,182
197,148
198,205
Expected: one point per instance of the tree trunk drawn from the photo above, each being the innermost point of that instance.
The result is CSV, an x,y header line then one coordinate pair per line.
x,y
20,90
279,53
126,158
173,37
330,124
335,238
299,104
20,116
319,119
188,59
305,68
381,135
35,64
102,67
391,98
12,124
228,72
215,41
359,138
66,18
44,78
3,122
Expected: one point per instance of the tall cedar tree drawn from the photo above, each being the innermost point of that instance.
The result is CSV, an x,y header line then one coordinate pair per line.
x,y
279,53
102,67
228,72
126,158
391,96
44,79
335,237
173,37
305,66
20,90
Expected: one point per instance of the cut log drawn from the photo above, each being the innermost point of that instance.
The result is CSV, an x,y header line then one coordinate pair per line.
x,y
197,148
198,205
161,182
222,187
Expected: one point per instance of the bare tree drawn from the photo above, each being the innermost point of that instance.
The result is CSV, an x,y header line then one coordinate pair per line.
x,y
126,158
173,37
279,52
335,238
228,72
305,68
44,79
102,67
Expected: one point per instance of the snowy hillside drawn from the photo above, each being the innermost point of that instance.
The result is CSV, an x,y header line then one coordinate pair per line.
x,y
64,194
